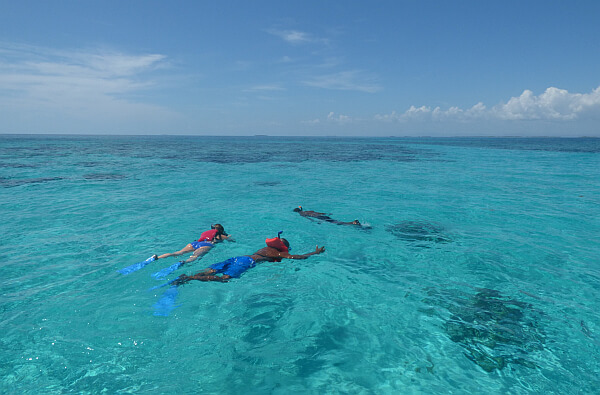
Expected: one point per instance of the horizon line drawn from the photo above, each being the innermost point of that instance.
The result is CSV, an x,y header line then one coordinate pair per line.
x,y
295,135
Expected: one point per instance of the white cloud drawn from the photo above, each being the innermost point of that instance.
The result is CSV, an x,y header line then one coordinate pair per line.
x,y
477,111
123,65
297,36
292,36
414,112
78,84
393,116
332,117
312,121
552,104
345,80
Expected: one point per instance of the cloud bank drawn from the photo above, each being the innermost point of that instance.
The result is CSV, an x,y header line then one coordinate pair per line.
x,y
553,104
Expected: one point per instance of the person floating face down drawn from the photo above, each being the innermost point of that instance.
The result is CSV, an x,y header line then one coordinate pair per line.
x,y
323,217
276,250
203,245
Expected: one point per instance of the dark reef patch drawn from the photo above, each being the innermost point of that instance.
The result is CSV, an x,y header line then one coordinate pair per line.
x,y
267,183
17,165
290,150
330,339
551,144
11,182
420,232
91,164
104,176
495,330
264,313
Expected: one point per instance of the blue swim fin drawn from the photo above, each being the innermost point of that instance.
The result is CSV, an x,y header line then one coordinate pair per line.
x,y
167,270
162,285
166,303
136,266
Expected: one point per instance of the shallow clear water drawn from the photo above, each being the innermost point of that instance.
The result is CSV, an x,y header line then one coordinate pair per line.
x,y
480,274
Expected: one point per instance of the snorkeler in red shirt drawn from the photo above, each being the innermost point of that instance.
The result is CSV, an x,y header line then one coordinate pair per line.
x,y
201,247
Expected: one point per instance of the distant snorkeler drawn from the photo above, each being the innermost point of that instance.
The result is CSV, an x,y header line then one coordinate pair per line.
x,y
323,217
277,249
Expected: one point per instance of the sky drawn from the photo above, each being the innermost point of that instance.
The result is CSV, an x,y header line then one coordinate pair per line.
x,y
312,68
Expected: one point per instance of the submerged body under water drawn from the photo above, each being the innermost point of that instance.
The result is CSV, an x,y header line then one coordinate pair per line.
x,y
478,271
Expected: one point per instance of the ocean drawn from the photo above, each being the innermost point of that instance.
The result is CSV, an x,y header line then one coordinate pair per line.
x,y
477,270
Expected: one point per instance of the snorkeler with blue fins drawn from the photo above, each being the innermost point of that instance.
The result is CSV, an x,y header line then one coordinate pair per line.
x,y
204,244
198,248
276,250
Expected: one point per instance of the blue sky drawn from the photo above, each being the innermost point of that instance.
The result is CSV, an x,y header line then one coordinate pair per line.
x,y
317,68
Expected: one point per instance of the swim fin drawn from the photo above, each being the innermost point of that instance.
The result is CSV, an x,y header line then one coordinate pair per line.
x,y
166,303
167,270
136,266
162,285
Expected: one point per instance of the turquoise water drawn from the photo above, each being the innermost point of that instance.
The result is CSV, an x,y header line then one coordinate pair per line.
x,y
480,274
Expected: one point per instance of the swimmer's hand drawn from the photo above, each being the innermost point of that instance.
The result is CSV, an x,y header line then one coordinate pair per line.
x,y
319,250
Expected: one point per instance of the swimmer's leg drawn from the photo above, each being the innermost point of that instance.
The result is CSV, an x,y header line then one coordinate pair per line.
x,y
206,275
184,278
198,253
225,278
187,248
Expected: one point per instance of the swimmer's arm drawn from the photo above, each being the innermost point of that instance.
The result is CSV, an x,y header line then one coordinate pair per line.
x,y
318,250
